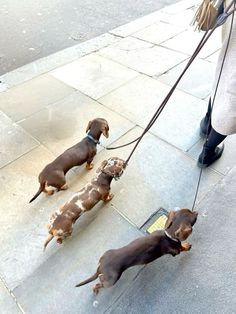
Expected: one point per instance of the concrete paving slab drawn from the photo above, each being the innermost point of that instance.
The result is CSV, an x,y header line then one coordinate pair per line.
x,y
94,75
199,281
142,56
7,303
228,159
14,141
43,65
51,288
158,32
138,24
197,81
180,18
64,124
214,57
26,99
178,123
187,42
158,175
23,225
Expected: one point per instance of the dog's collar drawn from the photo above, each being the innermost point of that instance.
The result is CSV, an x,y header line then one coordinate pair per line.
x,y
170,237
115,177
89,136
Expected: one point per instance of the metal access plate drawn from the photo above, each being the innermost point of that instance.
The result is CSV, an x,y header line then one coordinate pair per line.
x,y
156,221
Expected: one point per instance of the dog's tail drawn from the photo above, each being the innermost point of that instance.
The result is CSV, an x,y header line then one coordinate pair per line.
x,y
40,190
92,278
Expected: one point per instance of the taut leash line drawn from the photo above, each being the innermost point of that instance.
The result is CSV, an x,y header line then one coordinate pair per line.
x,y
164,102
220,20
120,146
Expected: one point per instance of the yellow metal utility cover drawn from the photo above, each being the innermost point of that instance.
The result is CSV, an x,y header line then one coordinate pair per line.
x,y
156,221
158,224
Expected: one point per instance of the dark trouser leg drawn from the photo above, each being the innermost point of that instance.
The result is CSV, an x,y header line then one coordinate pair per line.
x,y
205,124
211,152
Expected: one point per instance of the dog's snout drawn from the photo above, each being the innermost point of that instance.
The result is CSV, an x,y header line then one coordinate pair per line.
x,y
59,240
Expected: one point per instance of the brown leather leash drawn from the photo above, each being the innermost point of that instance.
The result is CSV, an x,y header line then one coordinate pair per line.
x,y
220,21
162,105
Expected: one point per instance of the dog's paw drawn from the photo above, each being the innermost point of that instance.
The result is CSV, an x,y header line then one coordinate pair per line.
x,y
89,166
50,192
64,187
109,197
186,246
96,288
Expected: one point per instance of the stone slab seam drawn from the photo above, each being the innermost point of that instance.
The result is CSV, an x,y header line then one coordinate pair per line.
x,y
53,103
126,218
12,295
155,76
12,161
201,199
125,290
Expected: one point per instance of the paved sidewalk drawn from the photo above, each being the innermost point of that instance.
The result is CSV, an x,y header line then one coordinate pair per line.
x,y
122,76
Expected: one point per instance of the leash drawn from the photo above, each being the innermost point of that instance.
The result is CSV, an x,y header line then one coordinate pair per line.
x,y
164,102
120,146
222,19
89,136
161,107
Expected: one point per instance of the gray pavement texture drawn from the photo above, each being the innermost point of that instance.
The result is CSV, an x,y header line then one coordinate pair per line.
x,y
122,76
35,29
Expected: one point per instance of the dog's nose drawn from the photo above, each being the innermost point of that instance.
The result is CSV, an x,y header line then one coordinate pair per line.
x,y
59,240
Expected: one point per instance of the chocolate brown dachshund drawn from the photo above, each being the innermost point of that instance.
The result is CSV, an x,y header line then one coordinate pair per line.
x,y
54,173
145,249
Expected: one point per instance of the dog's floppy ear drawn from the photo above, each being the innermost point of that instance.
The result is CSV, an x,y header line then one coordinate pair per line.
x,y
170,218
89,126
103,164
183,233
105,131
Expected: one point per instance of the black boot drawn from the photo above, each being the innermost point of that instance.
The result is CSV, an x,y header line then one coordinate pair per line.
x,y
211,152
208,156
205,124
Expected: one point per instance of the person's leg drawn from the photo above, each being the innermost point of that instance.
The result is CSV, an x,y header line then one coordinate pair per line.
x,y
211,152
205,124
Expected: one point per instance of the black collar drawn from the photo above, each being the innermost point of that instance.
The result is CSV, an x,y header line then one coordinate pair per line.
x,y
112,175
171,238
90,137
